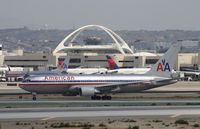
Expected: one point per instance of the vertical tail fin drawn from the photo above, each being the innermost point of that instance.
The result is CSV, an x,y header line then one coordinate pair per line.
x,y
111,63
165,64
66,63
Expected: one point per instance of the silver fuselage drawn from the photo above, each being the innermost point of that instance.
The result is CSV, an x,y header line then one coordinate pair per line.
x,y
61,84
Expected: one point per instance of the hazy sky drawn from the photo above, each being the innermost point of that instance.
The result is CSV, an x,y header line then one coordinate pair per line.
x,y
114,14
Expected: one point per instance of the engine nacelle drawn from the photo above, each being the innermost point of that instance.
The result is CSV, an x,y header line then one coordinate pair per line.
x,y
87,91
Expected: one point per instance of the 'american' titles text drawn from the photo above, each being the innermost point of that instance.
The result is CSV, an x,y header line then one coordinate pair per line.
x,y
58,78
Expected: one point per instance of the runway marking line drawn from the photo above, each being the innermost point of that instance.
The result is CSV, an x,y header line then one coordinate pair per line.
x,y
175,115
47,118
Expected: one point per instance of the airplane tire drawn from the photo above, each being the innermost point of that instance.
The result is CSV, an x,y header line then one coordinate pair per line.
x,y
104,97
98,97
34,98
108,97
93,97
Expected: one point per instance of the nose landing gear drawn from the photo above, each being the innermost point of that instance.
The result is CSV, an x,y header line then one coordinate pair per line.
x,y
34,96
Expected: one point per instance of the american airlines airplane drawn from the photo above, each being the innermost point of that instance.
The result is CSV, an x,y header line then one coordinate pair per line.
x,y
99,86
115,69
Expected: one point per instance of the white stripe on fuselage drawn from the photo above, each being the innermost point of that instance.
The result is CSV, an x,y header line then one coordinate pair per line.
x,y
92,78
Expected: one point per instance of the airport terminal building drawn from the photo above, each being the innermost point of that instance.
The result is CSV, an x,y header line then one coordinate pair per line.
x,y
91,53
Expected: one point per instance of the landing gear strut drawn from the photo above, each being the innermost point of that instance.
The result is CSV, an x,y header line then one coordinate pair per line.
x,y
105,97
34,96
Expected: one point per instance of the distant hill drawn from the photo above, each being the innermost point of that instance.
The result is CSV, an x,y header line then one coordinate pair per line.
x,y
44,40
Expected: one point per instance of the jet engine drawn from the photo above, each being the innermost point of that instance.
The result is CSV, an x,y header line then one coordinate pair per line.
x,y
87,91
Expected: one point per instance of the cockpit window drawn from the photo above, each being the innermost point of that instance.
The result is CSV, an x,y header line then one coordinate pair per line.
x,y
27,80
26,75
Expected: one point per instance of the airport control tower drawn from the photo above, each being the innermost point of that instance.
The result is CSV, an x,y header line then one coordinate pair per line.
x,y
1,55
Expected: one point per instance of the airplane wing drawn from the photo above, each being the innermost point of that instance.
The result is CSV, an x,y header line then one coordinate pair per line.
x,y
191,73
107,88
116,87
112,71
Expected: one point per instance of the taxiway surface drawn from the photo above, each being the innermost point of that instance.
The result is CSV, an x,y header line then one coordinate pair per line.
x,y
77,113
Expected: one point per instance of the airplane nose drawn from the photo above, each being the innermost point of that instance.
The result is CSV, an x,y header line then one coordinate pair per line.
x,y
20,85
173,81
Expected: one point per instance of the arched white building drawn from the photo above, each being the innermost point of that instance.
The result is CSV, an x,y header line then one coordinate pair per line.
x,y
94,54
118,45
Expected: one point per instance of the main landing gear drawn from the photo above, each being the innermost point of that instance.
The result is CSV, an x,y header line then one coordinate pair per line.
x,y
105,97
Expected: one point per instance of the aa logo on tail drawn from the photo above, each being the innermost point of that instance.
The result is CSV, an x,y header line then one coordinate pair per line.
x,y
163,66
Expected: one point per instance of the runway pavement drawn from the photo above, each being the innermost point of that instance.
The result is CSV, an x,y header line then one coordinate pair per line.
x,y
97,101
91,103
96,112
58,109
